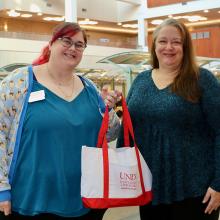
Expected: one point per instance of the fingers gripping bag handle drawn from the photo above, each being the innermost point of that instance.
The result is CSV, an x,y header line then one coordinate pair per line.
x,y
127,125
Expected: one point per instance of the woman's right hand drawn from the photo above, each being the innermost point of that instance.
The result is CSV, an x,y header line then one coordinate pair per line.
x,y
112,97
5,207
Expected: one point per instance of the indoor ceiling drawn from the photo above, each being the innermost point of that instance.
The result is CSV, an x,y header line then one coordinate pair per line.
x,y
213,17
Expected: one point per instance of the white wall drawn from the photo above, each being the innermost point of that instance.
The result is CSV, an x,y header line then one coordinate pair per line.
x,y
1,4
110,10
57,7
127,12
19,51
25,51
105,10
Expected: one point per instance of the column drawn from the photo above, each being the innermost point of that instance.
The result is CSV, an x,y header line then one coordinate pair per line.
x,y
71,10
142,35
128,78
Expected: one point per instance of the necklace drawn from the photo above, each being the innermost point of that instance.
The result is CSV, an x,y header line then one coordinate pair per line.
x,y
60,85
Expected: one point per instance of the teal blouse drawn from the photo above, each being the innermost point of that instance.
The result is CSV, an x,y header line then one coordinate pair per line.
x,y
179,140
48,169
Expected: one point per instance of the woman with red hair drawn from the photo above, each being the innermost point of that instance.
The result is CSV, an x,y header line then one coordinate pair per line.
x,y
45,118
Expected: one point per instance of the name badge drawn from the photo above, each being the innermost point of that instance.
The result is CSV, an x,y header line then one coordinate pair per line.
x,y
37,96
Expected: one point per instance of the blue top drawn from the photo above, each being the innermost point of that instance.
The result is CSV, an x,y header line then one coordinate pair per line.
x,y
58,128
179,140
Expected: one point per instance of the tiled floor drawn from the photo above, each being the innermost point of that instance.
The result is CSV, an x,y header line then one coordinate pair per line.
x,y
126,213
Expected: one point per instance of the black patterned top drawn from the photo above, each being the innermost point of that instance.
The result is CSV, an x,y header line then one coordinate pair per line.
x,y
179,140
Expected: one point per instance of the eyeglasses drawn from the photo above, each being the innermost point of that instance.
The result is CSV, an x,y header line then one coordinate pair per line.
x,y
68,42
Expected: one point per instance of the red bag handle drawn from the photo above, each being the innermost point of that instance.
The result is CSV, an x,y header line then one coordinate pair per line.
x,y
127,125
102,142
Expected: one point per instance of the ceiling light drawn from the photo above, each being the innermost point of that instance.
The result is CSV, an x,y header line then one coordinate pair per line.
x,y
5,27
156,22
179,17
47,19
201,23
13,13
119,23
130,25
103,74
193,18
108,29
87,22
39,13
206,11
26,15
196,18
53,18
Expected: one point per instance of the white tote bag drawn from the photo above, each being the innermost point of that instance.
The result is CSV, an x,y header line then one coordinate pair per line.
x,y
115,177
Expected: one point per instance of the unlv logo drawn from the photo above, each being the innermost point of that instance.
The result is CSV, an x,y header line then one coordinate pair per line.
x,y
127,176
128,181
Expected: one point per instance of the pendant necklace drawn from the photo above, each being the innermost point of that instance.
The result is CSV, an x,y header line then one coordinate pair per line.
x,y
59,85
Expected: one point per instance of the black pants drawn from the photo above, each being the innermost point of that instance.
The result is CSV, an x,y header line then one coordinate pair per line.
x,y
189,209
94,214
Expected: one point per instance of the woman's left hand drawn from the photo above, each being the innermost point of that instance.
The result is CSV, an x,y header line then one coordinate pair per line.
x,y
213,199
112,98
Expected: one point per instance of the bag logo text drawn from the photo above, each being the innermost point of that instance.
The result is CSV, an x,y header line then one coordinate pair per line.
x,y
128,180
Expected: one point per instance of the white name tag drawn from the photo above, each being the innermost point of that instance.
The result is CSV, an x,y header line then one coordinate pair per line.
x,y
37,96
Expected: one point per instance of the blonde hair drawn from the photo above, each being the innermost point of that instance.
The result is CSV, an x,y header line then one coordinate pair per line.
x,y
186,82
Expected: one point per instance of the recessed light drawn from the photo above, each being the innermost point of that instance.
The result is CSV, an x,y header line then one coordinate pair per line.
x,y
156,22
130,25
87,22
53,18
192,18
13,13
206,11
195,18
5,27
26,15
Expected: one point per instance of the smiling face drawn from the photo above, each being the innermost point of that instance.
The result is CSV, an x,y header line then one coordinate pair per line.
x,y
69,56
169,48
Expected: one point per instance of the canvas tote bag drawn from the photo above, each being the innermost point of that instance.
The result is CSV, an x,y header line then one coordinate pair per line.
x,y
115,177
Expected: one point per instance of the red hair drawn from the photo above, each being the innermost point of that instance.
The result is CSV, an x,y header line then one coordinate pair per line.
x,y
64,29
